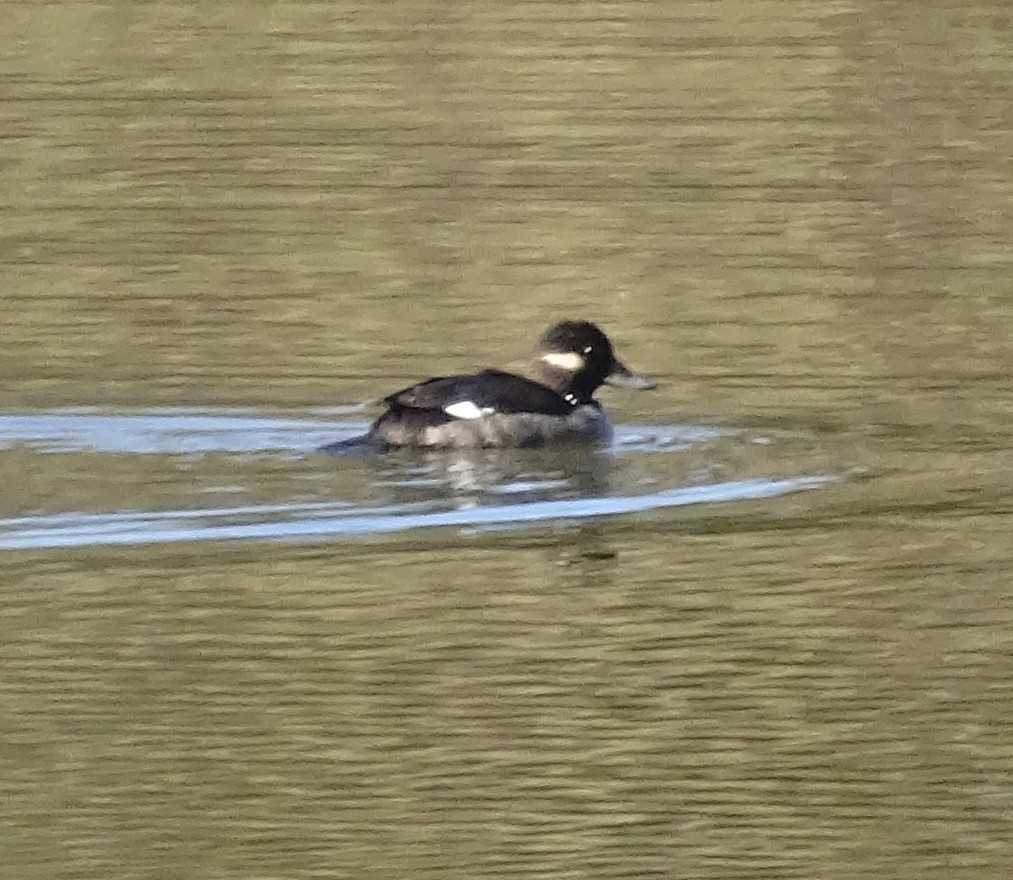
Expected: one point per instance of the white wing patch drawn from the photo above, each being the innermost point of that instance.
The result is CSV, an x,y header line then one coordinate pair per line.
x,y
466,409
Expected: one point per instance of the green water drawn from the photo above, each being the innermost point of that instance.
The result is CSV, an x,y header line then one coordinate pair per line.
x,y
795,215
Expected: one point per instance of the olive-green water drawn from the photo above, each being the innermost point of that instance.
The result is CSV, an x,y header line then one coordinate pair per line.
x,y
795,215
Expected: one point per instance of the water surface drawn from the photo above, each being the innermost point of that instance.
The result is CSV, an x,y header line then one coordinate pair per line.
x,y
766,635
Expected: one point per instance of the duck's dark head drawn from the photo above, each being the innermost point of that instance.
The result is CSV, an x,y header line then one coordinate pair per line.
x,y
575,358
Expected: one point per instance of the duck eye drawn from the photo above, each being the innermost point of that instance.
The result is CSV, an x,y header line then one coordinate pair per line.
x,y
588,350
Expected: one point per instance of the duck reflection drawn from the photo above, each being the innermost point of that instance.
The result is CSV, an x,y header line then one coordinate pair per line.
x,y
473,478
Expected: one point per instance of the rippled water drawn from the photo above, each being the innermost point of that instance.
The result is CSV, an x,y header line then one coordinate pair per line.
x,y
766,634
483,488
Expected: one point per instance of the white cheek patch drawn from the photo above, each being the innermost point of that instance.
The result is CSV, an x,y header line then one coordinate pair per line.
x,y
565,360
466,409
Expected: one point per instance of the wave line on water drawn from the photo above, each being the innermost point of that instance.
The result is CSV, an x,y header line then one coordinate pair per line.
x,y
316,522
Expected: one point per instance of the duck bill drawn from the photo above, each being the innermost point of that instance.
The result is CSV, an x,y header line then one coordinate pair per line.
x,y
622,376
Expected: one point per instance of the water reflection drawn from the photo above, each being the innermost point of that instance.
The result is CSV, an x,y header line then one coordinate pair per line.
x,y
169,466
475,477
317,522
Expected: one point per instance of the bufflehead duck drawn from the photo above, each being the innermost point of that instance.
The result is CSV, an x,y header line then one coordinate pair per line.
x,y
553,403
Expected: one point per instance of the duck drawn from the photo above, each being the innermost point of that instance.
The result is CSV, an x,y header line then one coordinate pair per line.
x,y
552,403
